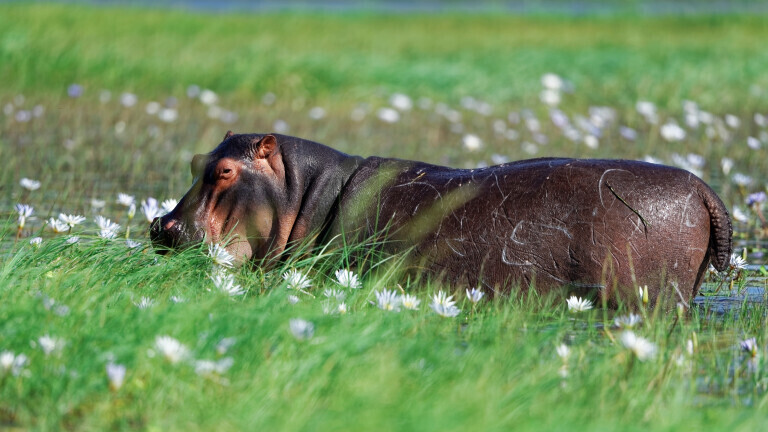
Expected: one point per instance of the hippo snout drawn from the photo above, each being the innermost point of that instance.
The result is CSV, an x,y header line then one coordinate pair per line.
x,y
159,236
164,233
168,232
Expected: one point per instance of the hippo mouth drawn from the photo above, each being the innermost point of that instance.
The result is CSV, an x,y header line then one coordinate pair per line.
x,y
170,237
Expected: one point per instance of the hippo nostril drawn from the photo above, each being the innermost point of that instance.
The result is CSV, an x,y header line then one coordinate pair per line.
x,y
170,224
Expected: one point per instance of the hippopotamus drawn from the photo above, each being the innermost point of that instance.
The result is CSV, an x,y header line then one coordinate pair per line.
x,y
599,227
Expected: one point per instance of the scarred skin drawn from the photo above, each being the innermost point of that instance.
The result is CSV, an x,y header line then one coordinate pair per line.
x,y
595,227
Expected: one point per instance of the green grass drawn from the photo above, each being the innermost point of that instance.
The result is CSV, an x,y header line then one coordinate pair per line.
x,y
493,367
500,58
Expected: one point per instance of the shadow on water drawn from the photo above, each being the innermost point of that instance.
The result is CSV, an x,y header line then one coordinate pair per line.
x,y
726,301
718,300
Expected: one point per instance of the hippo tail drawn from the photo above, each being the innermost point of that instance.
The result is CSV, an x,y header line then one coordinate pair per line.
x,y
721,232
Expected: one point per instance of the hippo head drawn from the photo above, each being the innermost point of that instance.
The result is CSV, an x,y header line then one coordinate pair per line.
x,y
237,198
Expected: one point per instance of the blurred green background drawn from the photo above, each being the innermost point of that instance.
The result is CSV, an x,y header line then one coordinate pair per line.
x,y
66,68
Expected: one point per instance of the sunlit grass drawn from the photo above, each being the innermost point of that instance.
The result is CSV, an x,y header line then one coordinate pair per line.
x,y
495,365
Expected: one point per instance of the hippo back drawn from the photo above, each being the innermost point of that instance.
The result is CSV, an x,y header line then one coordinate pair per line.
x,y
602,225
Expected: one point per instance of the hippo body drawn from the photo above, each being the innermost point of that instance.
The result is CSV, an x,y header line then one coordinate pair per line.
x,y
592,226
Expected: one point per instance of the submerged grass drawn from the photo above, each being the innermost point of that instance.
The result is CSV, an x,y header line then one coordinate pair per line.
x,y
493,367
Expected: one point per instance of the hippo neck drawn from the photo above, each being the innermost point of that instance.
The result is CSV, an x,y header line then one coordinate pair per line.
x,y
315,176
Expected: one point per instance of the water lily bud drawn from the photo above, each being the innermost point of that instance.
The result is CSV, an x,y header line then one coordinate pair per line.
x,y
644,294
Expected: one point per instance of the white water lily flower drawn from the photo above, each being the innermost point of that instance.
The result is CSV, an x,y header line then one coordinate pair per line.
x,y
107,234
628,133
224,345
577,304
58,226
739,215
13,363
742,179
281,126
29,184
749,346
24,212
347,279
208,97
71,220
627,322
726,164
220,256
211,368
297,280
152,107
334,293
302,329
388,300
171,349
410,302
672,132
150,209
737,262
107,228
144,303
472,142
73,240
115,375
647,110
168,115
292,299
552,81
342,308
475,295
444,305
128,99
50,344
388,115
550,97
226,284
125,199
106,224
401,102
36,241
317,113
132,244
169,204
641,347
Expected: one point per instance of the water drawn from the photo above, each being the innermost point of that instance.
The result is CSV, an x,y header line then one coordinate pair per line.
x,y
730,301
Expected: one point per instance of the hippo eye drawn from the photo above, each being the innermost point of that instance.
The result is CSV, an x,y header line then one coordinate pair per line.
x,y
226,173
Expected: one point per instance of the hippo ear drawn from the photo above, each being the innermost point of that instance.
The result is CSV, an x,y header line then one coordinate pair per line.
x,y
264,147
229,134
